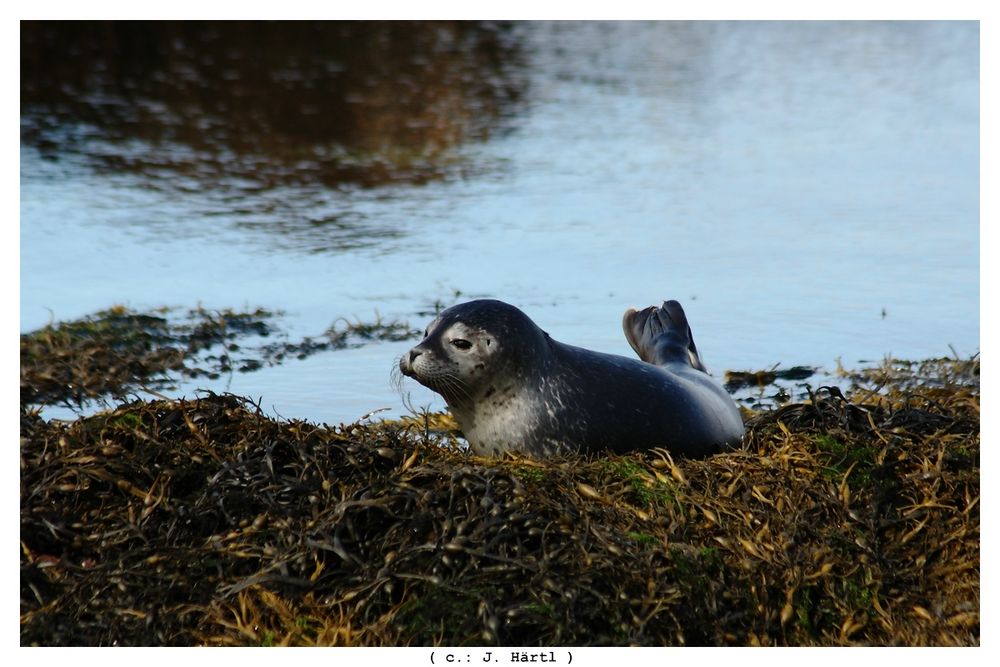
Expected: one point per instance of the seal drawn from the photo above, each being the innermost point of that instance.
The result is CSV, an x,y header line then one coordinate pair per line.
x,y
512,388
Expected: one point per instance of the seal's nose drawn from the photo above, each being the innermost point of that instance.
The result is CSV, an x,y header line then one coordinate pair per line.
x,y
406,361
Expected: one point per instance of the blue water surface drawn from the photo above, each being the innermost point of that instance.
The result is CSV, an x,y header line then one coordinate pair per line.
x,y
808,191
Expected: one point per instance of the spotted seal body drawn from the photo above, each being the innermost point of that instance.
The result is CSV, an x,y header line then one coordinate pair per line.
x,y
513,388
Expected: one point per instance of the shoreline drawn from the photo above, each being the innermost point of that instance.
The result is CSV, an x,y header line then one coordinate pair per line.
x,y
848,518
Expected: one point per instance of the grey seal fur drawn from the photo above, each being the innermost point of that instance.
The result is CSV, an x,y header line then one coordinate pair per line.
x,y
512,388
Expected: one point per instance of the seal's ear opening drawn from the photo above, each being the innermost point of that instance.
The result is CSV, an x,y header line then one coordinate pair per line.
x,y
661,335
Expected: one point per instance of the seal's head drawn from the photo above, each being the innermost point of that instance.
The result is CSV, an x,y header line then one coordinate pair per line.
x,y
468,348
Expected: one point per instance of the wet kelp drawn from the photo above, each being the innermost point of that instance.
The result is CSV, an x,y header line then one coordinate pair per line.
x,y
115,352
846,520
117,349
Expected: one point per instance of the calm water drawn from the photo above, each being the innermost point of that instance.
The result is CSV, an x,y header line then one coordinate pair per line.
x,y
808,191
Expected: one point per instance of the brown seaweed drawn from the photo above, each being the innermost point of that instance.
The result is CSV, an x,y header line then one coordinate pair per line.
x,y
846,520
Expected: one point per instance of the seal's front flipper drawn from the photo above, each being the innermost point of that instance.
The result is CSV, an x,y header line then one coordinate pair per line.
x,y
661,335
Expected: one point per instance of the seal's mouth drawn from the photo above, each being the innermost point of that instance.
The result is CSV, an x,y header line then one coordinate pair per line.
x,y
399,371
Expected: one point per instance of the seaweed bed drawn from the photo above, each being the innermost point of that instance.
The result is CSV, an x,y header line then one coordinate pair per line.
x,y
846,519
118,351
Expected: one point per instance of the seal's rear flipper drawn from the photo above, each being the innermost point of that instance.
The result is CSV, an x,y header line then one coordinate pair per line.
x,y
661,335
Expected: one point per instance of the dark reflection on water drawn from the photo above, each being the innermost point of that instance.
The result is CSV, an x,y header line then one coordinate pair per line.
x,y
275,103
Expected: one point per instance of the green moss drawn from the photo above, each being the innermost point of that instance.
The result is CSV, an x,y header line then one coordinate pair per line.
x,y
647,490
129,419
643,539
711,556
446,613
803,612
856,461
541,610
530,474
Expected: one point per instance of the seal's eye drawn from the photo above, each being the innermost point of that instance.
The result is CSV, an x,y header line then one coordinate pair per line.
x,y
461,343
